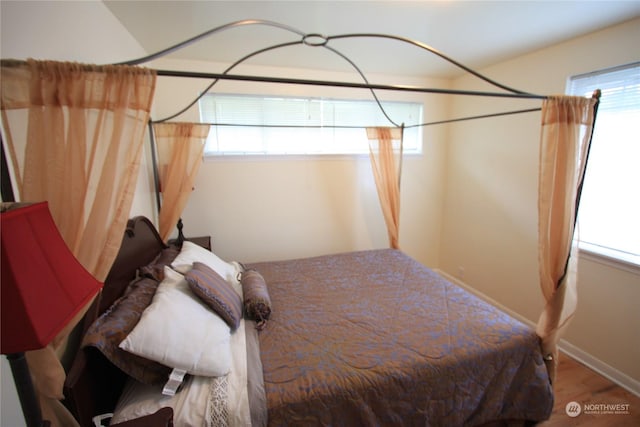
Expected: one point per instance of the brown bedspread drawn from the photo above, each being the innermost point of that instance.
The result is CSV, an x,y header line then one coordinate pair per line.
x,y
374,338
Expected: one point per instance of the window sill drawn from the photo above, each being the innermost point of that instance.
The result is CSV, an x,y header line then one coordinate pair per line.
x,y
293,157
611,258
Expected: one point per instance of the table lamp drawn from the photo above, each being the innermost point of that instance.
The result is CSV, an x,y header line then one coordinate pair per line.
x,y
43,287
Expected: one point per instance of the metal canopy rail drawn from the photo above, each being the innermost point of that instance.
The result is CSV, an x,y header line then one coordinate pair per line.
x,y
321,41
286,80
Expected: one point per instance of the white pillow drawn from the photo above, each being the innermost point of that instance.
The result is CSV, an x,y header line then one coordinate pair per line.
x,y
180,331
192,252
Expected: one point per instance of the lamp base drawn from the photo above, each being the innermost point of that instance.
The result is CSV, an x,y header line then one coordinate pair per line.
x,y
26,393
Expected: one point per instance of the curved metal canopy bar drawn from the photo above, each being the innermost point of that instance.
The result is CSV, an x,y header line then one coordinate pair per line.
x,y
435,52
208,33
224,73
305,40
318,40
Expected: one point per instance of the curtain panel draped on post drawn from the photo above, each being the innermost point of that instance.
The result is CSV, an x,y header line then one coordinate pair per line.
x,y
180,149
567,124
74,136
386,163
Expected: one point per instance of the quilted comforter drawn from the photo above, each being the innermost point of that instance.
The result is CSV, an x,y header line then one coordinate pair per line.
x,y
374,338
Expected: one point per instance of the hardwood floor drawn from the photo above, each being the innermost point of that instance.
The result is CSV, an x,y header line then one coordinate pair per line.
x,y
577,383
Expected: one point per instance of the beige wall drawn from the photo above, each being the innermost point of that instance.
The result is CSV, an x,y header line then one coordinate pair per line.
x,y
273,208
468,201
490,219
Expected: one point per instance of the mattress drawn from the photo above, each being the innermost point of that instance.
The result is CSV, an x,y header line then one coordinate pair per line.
x,y
376,338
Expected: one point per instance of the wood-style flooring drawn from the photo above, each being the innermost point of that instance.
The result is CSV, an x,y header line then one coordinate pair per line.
x,y
577,383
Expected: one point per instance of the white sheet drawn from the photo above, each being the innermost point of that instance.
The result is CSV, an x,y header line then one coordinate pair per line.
x,y
195,403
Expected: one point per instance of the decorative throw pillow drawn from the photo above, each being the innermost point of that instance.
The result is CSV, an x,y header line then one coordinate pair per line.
x,y
113,326
214,291
155,269
190,253
179,331
257,302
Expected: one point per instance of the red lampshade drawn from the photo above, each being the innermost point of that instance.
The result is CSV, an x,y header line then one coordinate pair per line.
x,y
43,285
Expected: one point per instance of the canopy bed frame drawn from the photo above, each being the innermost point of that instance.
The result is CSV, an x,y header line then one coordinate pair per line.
x,y
478,367
315,40
322,41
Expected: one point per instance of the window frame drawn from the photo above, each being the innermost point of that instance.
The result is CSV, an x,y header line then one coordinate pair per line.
x,y
205,117
611,257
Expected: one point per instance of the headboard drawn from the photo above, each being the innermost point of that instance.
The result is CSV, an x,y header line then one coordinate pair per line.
x,y
141,243
93,384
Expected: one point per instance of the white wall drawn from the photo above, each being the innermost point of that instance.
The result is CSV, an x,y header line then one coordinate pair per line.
x,y
70,31
275,208
490,213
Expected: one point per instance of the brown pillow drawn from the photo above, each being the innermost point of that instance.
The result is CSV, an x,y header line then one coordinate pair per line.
x,y
116,323
155,269
257,303
216,292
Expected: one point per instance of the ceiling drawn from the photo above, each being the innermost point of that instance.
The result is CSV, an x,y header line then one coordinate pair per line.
x,y
474,33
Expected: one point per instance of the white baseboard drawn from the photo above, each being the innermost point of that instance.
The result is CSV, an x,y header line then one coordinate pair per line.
x,y
607,371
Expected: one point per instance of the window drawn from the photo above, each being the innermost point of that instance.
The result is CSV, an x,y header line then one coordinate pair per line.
x,y
609,217
316,125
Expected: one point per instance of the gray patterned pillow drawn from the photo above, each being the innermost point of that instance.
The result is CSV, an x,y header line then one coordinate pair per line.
x,y
216,292
106,333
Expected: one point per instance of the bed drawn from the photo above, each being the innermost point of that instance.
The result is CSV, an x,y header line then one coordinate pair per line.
x,y
361,338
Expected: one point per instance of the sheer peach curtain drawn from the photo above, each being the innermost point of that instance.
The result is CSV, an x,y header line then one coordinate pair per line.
x,y
180,148
385,151
74,135
566,133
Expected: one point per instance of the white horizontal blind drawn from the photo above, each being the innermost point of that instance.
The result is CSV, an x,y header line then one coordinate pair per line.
x,y
317,125
609,214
